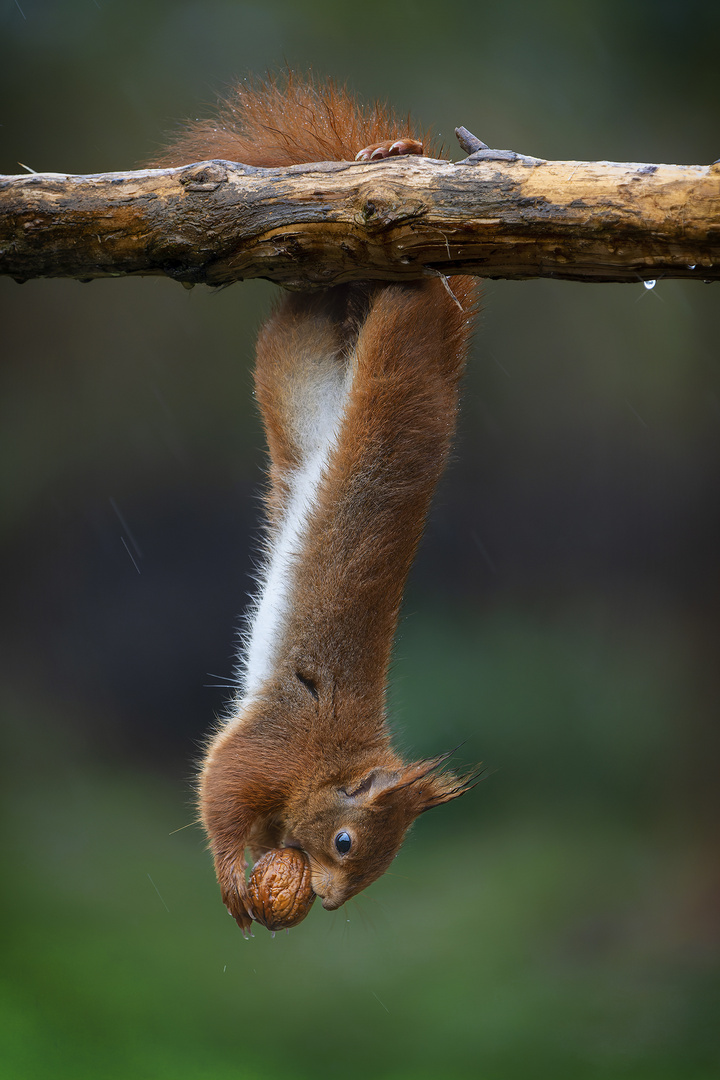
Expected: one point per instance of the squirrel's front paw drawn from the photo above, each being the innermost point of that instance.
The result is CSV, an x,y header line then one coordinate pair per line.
x,y
389,148
236,900
241,915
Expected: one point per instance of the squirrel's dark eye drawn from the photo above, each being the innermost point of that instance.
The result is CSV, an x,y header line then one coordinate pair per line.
x,y
343,843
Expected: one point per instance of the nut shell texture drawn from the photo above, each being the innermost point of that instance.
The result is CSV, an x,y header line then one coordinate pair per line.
x,y
280,888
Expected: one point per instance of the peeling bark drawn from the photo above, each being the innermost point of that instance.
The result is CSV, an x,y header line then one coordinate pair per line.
x,y
496,214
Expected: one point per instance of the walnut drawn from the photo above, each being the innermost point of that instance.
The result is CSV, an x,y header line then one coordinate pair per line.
x,y
280,888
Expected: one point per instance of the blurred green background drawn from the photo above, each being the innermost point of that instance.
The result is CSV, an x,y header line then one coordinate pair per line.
x,y
562,920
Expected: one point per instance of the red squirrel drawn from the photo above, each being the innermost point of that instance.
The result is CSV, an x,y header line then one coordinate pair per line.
x,y
358,387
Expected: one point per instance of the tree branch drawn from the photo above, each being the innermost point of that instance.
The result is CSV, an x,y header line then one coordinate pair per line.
x,y
496,214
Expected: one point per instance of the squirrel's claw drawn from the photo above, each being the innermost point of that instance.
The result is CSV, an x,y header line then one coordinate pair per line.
x,y
389,148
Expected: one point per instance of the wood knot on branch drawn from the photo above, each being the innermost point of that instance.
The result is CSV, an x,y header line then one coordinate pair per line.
x,y
207,176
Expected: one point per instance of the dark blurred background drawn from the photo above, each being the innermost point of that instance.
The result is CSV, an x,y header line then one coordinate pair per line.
x,y
561,621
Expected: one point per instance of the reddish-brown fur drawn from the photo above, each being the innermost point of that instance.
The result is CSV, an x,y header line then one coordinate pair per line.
x,y
310,753
284,121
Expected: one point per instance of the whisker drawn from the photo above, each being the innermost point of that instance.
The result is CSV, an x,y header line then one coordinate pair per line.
x,y
188,826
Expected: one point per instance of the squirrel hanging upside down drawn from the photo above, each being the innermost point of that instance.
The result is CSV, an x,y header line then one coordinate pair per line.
x,y
358,388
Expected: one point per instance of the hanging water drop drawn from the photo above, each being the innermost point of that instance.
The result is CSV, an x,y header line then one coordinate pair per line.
x,y
650,284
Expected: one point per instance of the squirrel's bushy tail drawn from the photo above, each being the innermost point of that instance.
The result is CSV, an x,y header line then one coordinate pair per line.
x,y
284,120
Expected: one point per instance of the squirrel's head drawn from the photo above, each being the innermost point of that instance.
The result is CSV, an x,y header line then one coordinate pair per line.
x,y
352,832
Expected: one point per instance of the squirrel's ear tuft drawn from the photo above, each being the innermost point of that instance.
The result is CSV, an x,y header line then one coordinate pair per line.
x,y
369,787
421,785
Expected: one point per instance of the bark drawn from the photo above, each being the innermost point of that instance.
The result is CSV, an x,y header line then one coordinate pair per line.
x,y
496,214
